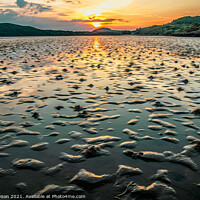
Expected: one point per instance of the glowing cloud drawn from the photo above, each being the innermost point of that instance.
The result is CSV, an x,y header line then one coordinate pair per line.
x,y
105,6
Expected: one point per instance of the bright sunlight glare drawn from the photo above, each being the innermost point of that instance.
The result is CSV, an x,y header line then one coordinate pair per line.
x,y
97,24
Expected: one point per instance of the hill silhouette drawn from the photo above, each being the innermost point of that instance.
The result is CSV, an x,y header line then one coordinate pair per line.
x,y
8,29
185,26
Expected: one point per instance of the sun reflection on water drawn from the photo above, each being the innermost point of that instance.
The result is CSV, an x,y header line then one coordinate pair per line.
x,y
97,44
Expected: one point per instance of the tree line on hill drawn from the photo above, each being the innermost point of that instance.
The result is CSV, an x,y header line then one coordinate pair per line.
x,y
185,26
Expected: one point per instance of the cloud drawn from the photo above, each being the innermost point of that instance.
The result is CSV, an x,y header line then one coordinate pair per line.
x,y
21,3
93,19
26,12
104,6
7,14
7,5
32,8
75,2
10,16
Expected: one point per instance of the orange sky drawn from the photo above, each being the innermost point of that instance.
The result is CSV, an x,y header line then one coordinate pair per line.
x,y
87,14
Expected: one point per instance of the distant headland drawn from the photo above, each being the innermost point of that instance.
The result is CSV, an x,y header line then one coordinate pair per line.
x,y
185,26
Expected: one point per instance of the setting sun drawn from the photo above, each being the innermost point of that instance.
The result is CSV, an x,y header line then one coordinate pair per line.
x,y
97,24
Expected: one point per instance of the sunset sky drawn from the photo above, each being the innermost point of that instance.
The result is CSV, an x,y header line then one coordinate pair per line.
x,y
88,14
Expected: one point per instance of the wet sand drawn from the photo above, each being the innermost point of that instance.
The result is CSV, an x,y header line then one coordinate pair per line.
x,y
106,117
